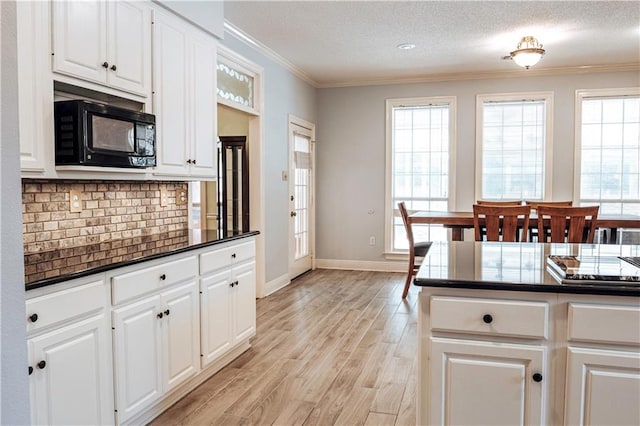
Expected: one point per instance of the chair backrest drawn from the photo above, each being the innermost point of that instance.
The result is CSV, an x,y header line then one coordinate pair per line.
x,y
407,224
534,204
576,224
498,203
501,221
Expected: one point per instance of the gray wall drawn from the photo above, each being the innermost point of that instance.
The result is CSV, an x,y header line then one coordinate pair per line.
x,y
14,386
284,94
351,151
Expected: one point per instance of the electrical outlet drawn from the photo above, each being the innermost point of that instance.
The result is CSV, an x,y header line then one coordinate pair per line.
x,y
75,201
372,241
164,197
181,197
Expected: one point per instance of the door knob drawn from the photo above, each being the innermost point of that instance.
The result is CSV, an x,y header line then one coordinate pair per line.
x,y
537,377
294,214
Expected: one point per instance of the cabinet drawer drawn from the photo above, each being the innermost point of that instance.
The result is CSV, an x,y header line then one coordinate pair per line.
x,y
490,316
55,308
604,323
146,280
226,256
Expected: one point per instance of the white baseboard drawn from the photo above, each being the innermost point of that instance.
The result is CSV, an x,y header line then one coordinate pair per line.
x,y
362,265
275,285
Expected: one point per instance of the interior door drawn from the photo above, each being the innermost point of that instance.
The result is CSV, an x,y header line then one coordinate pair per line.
x,y
301,191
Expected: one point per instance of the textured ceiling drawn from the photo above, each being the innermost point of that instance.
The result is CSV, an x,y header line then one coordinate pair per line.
x,y
353,42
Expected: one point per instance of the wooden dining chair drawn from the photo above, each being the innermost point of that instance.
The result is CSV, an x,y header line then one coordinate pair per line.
x,y
567,224
416,250
533,233
501,223
498,203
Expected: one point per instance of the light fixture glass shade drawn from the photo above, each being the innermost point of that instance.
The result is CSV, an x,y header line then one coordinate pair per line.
x,y
528,52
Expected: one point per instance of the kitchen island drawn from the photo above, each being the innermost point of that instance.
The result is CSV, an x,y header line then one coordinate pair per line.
x,y
503,340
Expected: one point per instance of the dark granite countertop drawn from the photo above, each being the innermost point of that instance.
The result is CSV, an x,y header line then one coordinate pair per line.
x,y
51,267
516,267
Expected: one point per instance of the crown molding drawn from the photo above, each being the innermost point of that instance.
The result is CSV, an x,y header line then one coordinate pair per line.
x,y
229,28
518,73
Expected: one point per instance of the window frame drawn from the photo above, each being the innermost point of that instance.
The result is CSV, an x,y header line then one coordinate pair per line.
x,y
548,98
582,94
390,211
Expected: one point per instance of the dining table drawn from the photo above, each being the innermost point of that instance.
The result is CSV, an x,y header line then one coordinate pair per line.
x,y
459,221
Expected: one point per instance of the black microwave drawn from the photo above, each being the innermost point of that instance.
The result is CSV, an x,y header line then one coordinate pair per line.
x,y
94,134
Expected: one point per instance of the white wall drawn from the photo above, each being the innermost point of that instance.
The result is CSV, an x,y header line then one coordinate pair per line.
x,y
351,151
284,93
14,387
208,15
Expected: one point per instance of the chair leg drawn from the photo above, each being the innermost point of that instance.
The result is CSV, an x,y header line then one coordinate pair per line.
x,y
409,276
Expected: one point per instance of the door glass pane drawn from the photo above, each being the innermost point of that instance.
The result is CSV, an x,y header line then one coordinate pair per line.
x,y
301,191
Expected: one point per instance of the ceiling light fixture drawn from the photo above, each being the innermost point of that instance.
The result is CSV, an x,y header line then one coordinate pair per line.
x,y
406,46
528,52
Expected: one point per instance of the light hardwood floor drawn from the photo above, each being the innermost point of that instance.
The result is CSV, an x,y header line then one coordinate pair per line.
x,y
333,347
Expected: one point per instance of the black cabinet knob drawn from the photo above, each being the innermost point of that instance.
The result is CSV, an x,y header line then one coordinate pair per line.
x,y
487,319
163,277
232,284
105,64
30,370
42,364
160,315
537,377
237,283
189,161
193,161
33,317
113,67
233,255
167,312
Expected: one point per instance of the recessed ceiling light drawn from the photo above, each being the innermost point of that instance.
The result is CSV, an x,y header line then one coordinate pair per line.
x,y
406,46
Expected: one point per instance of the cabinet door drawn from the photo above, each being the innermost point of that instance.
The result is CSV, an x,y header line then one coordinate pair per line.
x,y
171,94
603,387
137,346
181,352
215,311
73,383
483,383
244,301
129,47
204,116
80,39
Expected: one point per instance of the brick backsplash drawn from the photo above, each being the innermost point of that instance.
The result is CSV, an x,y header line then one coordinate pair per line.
x,y
110,211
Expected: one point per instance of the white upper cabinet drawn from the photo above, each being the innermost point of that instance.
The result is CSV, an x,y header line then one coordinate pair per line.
x,y
184,98
108,43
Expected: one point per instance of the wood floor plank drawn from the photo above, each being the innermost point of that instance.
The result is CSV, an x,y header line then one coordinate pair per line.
x,y
332,348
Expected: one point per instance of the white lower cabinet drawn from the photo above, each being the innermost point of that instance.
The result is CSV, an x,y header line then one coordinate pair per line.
x,y
515,358
481,383
156,344
603,387
228,309
69,348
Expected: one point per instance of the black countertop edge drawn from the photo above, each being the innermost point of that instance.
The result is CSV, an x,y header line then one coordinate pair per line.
x,y
99,269
613,290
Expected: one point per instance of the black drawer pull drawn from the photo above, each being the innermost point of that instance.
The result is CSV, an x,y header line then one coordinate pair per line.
x,y
537,377
33,317
487,319
163,277
42,364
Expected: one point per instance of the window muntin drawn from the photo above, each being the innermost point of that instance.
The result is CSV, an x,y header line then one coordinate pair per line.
x,y
514,145
608,144
419,171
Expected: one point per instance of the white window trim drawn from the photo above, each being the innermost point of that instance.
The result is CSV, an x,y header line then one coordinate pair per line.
x,y
396,102
581,95
238,62
548,155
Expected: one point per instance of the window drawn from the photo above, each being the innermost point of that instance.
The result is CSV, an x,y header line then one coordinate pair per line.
x,y
513,145
608,149
420,135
